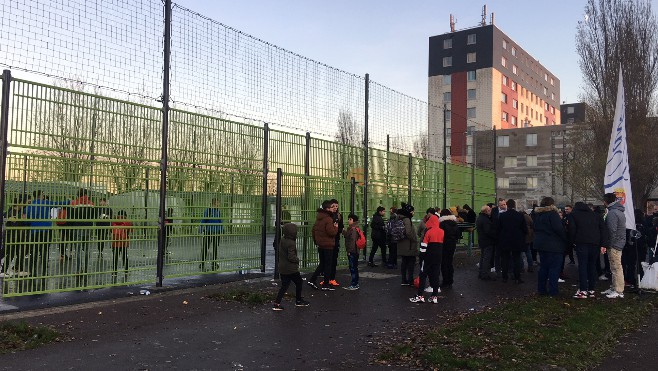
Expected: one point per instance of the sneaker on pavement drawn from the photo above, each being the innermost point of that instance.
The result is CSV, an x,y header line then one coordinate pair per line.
x,y
302,303
493,270
608,291
417,299
581,295
591,294
560,280
277,307
433,300
334,283
430,289
352,287
327,288
603,277
371,264
615,295
313,285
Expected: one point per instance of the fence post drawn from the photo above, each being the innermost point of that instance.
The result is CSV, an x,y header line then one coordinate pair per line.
x,y
445,158
232,202
263,238
4,123
305,199
278,223
353,196
409,183
365,161
24,177
165,139
495,144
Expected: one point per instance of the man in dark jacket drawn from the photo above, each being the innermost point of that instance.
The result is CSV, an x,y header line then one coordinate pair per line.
x,y
324,234
486,240
586,232
81,215
102,224
289,267
378,236
550,241
512,230
616,222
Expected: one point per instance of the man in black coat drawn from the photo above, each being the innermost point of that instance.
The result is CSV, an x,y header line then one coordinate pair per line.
x,y
486,240
587,233
378,236
512,230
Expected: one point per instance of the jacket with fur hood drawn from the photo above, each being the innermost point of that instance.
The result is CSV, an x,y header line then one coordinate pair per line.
x,y
616,222
288,260
324,232
451,231
550,235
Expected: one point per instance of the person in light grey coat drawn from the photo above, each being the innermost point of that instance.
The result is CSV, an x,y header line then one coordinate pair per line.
x,y
616,223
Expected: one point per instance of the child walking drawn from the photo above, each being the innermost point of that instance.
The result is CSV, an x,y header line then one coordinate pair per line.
x,y
351,236
289,267
120,242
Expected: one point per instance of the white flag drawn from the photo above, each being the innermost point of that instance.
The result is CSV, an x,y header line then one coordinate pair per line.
x,y
617,175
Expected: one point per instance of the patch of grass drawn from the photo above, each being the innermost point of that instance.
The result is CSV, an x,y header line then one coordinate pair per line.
x,y
244,296
526,334
22,336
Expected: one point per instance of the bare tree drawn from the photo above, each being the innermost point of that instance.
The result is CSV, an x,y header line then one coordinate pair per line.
x,y
616,33
348,158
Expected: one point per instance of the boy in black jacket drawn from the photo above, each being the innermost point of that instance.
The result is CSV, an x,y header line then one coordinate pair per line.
x,y
289,267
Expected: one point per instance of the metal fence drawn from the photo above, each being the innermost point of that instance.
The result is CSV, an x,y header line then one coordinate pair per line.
x,y
108,182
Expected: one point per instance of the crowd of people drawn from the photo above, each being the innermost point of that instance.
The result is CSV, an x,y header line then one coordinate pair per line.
x,y
508,237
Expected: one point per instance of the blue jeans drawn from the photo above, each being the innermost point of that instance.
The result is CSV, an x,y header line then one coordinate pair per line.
x,y
588,256
549,270
353,260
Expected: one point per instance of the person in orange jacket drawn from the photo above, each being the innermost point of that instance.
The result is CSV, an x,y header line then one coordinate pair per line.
x,y
120,241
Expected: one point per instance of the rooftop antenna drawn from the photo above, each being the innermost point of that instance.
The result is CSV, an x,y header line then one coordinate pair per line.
x,y
492,17
484,15
453,20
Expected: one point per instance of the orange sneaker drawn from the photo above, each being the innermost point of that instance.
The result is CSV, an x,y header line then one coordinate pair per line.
x,y
334,283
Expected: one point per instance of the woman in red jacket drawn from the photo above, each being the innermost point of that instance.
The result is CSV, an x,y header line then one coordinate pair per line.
x,y
431,249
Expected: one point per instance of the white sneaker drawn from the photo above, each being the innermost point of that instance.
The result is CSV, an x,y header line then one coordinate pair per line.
x,y
560,280
493,270
433,300
430,289
417,299
603,277
477,265
615,295
608,291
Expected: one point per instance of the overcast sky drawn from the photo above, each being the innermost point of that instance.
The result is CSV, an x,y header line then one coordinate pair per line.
x,y
389,39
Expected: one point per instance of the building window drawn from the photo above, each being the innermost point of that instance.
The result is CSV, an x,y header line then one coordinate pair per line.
x,y
521,107
510,161
570,120
552,82
448,115
531,140
553,96
470,94
447,61
514,120
513,86
504,116
503,183
531,182
470,113
503,97
515,103
514,51
514,70
471,75
546,107
469,150
504,44
447,96
503,61
470,130
545,77
570,110
504,80
470,57
502,141
531,161
447,44
447,79
448,132
471,39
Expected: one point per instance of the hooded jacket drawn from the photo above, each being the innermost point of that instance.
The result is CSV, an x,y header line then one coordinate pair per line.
x,y
434,235
378,228
616,222
324,232
351,235
486,231
586,227
288,260
451,231
549,232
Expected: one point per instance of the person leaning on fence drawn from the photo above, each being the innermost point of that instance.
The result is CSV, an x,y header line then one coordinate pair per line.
x,y
324,234
211,227
104,213
15,233
121,229
40,236
378,236
289,267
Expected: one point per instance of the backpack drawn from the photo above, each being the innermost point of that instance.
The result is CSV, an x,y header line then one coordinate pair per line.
x,y
395,230
361,241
